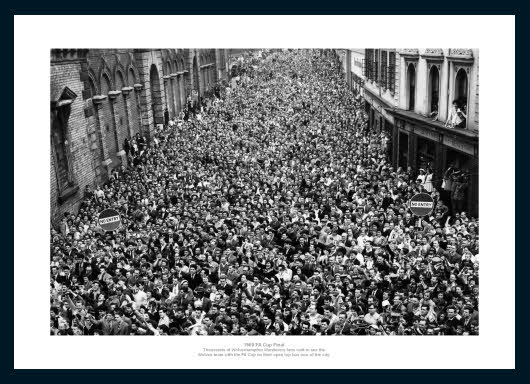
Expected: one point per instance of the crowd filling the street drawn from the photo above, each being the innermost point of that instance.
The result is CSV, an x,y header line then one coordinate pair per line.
x,y
270,208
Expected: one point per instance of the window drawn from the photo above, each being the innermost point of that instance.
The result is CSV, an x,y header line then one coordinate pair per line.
x,y
60,114
60,144
376,66
368,64
384,70
411,86
434,90
392,72
363,66
461,89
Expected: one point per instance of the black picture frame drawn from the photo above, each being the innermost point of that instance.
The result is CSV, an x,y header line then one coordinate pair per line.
x,y
34,7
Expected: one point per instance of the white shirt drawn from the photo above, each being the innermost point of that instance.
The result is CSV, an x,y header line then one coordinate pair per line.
x,y
427,183
140,298
454,118
360,257
372,319
286,275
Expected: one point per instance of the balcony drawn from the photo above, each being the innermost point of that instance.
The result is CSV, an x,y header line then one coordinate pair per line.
x,y
416,119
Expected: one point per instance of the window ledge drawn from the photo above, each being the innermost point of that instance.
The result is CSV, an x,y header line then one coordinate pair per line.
x,y
67,193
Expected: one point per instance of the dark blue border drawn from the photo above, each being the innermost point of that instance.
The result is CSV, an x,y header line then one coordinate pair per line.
x,y
413,7
269,7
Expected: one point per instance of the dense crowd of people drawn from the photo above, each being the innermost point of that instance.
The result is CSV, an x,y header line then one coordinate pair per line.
x,y
273,210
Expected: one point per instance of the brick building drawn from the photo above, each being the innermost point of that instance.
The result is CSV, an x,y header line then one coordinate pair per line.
x,y
100,97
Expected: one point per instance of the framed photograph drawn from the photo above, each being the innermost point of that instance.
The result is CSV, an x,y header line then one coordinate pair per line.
x,y
264,200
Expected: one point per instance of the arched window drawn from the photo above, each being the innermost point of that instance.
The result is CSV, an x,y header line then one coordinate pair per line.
x,y
411,86
461,94
434,89
59,136
461,85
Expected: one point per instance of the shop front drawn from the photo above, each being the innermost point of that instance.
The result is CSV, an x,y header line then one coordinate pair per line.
x,y
419,148
403,150
379,120
462,155
426,150
421,143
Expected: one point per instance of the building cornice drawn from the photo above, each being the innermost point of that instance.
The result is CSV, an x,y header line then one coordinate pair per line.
x,y
468,135
70,55
385,103
433,54
461,55
412,53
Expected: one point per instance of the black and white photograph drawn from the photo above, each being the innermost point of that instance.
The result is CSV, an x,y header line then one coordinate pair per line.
x,y
270,192
226,176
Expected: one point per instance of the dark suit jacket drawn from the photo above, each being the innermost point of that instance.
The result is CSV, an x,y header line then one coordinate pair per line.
x,y
377,293
451,325
194,281
110,328
467,323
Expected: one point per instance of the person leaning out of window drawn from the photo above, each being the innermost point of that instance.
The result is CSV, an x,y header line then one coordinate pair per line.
x,y
457,117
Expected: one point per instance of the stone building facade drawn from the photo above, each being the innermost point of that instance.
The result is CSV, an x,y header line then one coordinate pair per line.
x,y
409,93
345,60
357,70
100,97
352,60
